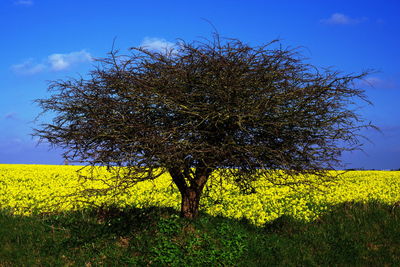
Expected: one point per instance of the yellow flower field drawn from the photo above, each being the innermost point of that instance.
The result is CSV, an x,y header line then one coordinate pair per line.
x,y
25,189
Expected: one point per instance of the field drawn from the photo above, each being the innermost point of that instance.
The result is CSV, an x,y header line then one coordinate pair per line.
x,y
355,222
27,189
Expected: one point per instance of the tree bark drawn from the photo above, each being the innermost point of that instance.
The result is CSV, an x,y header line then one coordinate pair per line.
x,y
191,193
190,203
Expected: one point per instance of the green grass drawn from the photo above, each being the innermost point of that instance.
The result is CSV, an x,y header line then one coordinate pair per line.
x,y
351,234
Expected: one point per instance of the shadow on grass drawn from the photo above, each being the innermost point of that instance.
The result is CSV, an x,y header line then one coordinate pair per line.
x,y
352,234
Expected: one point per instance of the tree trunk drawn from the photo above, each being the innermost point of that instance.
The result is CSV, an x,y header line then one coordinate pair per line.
x,y
190,203
190,193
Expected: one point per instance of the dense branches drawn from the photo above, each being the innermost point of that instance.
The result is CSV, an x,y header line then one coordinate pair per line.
x,y
204,106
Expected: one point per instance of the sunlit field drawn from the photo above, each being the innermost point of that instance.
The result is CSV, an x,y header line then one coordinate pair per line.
x,y
27,189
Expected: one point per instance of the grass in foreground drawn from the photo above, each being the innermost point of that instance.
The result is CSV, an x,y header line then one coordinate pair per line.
x,y
352,234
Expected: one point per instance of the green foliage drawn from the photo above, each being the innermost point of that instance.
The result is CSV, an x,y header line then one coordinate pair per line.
x,y
351,234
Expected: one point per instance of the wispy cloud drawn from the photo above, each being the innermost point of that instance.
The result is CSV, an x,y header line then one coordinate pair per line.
x,y
11,116
54,62
379,83
24,2
157,44
28,67
341,19
390,128
380,21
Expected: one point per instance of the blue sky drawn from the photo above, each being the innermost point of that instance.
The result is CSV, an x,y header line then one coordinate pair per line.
x,y
45,40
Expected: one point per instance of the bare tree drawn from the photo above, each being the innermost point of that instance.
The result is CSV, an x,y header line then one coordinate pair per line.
x,y
206,107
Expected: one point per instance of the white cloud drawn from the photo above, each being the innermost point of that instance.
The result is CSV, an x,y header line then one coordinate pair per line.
x,y
341,19
24,2
63,61
28,67
54,62
158,44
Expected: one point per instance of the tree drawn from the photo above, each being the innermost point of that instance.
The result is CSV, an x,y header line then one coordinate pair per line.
x,y
206,107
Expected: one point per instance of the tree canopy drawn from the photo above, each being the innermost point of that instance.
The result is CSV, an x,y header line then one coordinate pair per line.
x,y
206,106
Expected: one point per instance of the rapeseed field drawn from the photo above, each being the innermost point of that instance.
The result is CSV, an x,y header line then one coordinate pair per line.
x,y
27,189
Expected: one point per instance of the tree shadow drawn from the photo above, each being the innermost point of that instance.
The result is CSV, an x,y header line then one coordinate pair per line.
x,y
350,233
